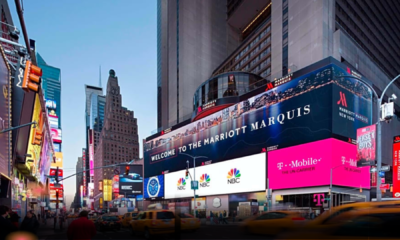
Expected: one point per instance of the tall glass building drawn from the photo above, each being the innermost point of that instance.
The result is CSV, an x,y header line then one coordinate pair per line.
x,y
51,84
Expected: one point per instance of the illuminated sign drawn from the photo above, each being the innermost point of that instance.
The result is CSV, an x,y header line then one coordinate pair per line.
x,y
51,104
101,203
59,160
91,152
34,150
396,167
246,174
366,141
209,105
56,135
107,190
154,187
309,165
100,186
283,80
84,168
115,184
53,120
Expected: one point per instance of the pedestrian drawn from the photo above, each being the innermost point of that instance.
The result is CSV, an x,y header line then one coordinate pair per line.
x,y
6,227
234,216
30,223
14,218
220,218
81,228
211,217
224,219
38,217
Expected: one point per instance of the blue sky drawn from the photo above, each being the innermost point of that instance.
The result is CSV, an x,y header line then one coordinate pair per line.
x,y
78,36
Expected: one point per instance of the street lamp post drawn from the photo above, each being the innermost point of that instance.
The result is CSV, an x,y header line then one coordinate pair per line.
x,y
194,177
378,130
330,188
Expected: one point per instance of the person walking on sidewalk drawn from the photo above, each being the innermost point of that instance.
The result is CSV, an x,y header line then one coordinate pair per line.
x,y
6,227
81,228
30,223
211,217
234,216
224,218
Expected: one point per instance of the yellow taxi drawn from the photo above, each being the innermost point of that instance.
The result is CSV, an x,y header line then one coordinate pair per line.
x,y
127,218
189,222
362,223
272,223
153,222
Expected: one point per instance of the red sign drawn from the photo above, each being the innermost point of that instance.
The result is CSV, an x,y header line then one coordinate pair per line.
x,y
385,186
366,143
396,169
53,172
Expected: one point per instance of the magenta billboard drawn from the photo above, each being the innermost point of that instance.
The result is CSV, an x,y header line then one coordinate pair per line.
x,y
309,165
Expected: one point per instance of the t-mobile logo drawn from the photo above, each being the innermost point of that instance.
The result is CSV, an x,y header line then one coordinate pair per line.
x,y
280,165
319,198
342,100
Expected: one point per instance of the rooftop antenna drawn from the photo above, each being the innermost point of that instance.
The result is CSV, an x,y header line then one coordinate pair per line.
x,y
100,77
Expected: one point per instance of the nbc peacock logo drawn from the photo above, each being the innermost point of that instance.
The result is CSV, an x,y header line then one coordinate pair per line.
x,y
234,176
205,180
181,184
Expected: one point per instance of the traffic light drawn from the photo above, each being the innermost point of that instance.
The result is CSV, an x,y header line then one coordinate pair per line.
x,y
31,80
37,132
57,178
360,189
187,174
127,170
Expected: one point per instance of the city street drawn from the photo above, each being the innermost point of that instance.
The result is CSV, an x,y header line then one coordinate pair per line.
x,y
231,231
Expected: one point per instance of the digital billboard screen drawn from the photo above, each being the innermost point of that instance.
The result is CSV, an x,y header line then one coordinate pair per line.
x,y
131,184
154,187
91,152
309,165
246,174
366,142
56,135
5,104
303,110
396,167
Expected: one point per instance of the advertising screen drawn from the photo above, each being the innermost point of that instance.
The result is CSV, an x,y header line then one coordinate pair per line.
x,y
91,152
84,170
51,104
34,150
59,160
56,135
53,121
303,110
45,156
57,147
366,140
133,182
396,167
154,187
54,170
115,184
107,190
246,174
4,115
53,196
309,165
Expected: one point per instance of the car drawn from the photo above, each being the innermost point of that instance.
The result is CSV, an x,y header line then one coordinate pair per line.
x,y
127,218
153,222
189,222
107,222
361,223
272,223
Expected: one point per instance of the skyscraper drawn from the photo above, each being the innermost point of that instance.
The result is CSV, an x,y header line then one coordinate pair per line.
x,y
191,42
119,140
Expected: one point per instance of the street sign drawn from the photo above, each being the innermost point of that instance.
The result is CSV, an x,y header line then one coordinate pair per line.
x,y
385,168
385,186
327,199
194,185
382,174
373,169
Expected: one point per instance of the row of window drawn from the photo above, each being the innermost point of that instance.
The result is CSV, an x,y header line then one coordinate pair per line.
x,y
254,61
254,42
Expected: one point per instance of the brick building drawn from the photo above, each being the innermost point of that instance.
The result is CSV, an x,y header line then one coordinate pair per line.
x,y
118,141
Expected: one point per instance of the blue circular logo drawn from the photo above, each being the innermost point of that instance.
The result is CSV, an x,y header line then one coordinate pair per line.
x,y
153,187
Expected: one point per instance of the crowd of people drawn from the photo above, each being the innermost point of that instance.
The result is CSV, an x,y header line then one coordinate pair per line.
x,y
9,222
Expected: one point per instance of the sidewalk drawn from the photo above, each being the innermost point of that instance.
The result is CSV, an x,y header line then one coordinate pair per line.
x,y
45,231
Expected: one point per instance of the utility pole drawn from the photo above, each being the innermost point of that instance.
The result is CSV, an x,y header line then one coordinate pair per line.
x,y
378,130
20,126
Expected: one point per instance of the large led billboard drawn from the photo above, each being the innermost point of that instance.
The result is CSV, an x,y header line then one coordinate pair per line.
x,y
131,184
318,105
56,135
396,167
91,152
246,174
154,187
309,165
59,160
5,110
34,150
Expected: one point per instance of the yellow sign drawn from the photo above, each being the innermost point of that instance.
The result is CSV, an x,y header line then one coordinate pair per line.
x,y
107,190
32,162
59,160
101,202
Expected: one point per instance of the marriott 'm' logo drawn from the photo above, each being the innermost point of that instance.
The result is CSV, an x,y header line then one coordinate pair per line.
x,y
269,86
342,100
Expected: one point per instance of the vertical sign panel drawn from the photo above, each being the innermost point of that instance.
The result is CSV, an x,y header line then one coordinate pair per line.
x,y
91,153
396,169
366,142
